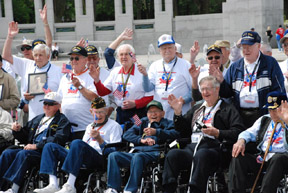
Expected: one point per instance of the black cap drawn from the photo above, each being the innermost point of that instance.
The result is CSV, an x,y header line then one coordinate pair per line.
x,y
91,50
78,50
214,48
37,41
274,99
98,103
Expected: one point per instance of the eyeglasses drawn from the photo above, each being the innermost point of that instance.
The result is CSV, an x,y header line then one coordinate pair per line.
x,y
152,112
25,47
92,58
74,58
208,89
215,57
99,112
49,103
285,44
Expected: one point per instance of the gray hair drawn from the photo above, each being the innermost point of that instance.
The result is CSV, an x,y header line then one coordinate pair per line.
x,y
266,47
42,47
125,45
212,79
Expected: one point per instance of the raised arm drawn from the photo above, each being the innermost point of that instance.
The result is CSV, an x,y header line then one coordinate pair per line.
x,y
12,32
125,35
48,34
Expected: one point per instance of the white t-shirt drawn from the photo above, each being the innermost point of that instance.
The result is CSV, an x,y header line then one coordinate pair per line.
x,y
104,74
111,132
6,66
180,83
284,68
74,105
55,48
23,67
204,71
134,89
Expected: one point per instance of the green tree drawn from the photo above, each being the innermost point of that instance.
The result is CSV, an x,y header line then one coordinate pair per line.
x,y
143,9
64,11
104,10
23,11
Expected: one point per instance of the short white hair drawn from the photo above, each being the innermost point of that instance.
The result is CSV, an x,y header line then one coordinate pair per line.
x,y
42,47
125,45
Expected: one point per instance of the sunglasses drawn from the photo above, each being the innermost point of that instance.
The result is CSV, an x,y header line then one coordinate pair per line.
x,y
215,57
49,103
74,58
25,48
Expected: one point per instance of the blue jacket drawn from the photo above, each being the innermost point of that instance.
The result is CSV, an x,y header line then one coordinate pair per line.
x,y
58,131
164,131
269,78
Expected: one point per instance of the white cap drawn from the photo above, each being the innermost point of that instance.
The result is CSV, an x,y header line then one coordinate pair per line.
x,y
178,48
24,42
165,39
52,97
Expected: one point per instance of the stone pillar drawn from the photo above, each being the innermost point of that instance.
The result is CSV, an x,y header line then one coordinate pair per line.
x,y
239,16
123,20
84,23
163,19
39,29
7,19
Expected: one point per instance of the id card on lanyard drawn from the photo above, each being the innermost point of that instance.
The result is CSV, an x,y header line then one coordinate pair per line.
x,y
168,76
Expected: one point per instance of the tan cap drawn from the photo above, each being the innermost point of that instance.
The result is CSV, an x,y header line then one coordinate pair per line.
x,y
284,38
222,43
25,42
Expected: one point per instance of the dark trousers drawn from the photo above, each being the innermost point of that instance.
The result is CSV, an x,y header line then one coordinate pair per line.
x,y
206,162
249,116
241,166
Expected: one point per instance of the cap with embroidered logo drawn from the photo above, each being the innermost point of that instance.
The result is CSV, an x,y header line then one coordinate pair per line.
x,y
78,50
91,50
37,41
274,99
165,39
52,97
98,103
250,38
214,48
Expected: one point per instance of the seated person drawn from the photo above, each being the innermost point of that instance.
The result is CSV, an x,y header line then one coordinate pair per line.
x,y
222,122
277,157
87,151
6,137
52,126
153,130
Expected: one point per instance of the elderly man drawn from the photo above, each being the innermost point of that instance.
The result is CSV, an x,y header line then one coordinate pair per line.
x,y
266,49
87,151
77,91
6,137
168,75
153,131
52,126
250,79
217,121
277,156
225,49
24,67
284,64
9,95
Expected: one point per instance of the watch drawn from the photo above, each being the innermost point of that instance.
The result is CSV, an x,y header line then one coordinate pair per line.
x,y
80,87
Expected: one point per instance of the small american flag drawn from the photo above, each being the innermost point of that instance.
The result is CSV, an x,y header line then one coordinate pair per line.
x,y
66,68
136,120
118,93
86,43
46,89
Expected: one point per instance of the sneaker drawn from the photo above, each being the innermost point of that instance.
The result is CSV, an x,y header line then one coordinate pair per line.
x,y
110,190
125,191
67,188
51,188
7,191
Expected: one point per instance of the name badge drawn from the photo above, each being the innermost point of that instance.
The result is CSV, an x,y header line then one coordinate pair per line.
x,y
250,99
196,137
165,95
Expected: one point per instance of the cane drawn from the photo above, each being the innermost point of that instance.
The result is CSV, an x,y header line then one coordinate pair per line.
x,y
266,152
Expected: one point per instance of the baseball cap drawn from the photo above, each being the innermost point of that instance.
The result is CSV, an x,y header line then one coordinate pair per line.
x,y
98,103
25,42
156,104
250,38
90,49
178,48
215,48
222,43
165,39
37,41
274,99
78,50
52,97
284,38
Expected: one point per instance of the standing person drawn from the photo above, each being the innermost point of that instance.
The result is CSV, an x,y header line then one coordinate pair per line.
x,y
52,126
55,51
269,34
277,157
169,75
153,131
250,79
77,91
223,123
23,67
225,49
284,65
87,151
279,34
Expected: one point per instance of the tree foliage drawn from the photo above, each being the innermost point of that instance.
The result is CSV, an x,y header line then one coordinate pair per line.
x,y
143,9
23,11
104,10
64,11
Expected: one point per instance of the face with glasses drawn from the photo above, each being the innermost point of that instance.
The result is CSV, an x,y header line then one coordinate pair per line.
x,y
214,58
93,59
209,93
285,46
50,108
154,114
100,114
250,52
78,62
27,51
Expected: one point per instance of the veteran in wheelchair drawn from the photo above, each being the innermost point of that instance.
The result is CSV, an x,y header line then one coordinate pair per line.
x,y
52,126
209,124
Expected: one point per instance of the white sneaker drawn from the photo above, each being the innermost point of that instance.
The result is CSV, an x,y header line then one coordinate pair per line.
x,y
110,190
125,191
66,188
7,191
51,188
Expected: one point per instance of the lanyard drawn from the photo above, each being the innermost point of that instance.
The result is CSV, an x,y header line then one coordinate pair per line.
x,y
47,69
74,74
208,114
41,124
275,135
168,76
250,76
125,84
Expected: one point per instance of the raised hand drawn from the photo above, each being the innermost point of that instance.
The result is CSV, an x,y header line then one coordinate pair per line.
x,y
216,72
81,42
175,103
127,34
194,51
43,14
94,73
282,111
194,72
13,29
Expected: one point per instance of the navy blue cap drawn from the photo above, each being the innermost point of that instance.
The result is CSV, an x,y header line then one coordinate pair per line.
x,y
250,38
37,41
274,99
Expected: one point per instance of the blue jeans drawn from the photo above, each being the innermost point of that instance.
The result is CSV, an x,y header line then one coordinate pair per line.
x,y
278,42
80,154
14,163
136,161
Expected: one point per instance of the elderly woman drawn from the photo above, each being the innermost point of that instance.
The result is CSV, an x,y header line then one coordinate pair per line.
x,y
125,82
